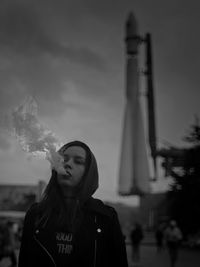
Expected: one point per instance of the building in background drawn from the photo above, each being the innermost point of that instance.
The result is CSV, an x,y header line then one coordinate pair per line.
x,y
19,197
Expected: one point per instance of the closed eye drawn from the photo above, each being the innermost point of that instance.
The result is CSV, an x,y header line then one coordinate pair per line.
x,y
79,160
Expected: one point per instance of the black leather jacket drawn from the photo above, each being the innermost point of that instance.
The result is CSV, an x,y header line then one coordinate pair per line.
x,y
99,242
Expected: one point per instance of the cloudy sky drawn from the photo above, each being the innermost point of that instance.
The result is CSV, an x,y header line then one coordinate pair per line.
x,y
70,56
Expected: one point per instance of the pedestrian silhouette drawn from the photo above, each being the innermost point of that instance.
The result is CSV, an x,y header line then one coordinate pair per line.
x,y
173,236
159,236
7,243
136,237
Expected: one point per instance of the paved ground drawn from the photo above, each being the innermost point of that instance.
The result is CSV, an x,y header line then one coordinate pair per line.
x,y
150,258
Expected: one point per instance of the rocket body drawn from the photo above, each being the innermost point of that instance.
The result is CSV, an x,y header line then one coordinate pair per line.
x,y
134,168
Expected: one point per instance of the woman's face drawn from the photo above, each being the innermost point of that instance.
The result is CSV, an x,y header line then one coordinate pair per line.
x,y
74,164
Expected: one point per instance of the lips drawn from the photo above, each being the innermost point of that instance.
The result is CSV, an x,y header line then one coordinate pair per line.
x,y
68,173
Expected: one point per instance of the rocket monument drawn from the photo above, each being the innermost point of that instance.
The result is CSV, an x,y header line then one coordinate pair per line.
x,y
134,167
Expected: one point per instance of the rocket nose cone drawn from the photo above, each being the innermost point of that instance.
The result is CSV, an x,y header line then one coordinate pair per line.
x,y
131,24
131,18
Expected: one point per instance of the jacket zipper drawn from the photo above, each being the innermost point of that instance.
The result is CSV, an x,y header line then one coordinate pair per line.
x,y
95,244
45,250
95,252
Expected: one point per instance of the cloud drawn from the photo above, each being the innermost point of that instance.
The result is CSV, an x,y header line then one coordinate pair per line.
x,y
4,141
22,29
35,60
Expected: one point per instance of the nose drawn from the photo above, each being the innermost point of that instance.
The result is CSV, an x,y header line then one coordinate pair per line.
x,y
68,163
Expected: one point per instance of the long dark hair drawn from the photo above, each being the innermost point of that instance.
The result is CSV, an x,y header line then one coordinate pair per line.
x,y
52,204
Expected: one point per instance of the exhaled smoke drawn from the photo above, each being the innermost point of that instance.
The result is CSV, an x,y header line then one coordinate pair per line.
x,y
33,136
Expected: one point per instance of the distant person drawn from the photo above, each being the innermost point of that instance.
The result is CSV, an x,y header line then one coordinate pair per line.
x,y
159,236
173,237
7,243
20,230
68,227
136,237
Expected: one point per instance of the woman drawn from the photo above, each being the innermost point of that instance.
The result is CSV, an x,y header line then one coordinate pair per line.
x,y
69,227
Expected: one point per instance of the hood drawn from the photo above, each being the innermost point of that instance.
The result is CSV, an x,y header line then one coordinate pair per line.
x,y
90,180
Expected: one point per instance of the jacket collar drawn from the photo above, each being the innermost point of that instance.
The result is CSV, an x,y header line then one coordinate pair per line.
x,y
98,206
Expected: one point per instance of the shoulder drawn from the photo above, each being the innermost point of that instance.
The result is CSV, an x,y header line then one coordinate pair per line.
x,y
31,212
29,219
98,206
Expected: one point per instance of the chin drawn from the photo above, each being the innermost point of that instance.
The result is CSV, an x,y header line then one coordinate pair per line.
x,y
67,184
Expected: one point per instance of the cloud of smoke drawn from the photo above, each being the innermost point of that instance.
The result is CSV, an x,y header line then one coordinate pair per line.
x,y
33,137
